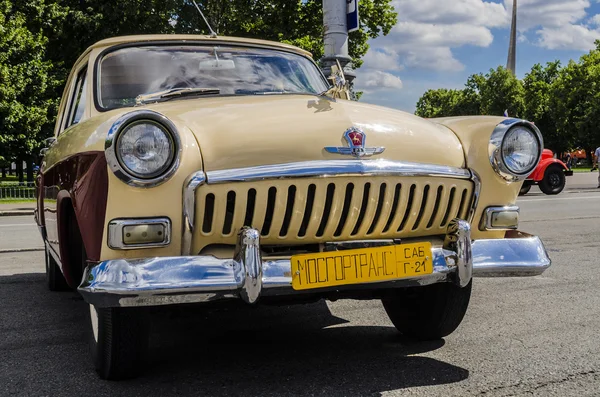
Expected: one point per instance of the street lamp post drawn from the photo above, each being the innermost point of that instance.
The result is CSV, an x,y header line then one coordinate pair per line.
x,y
336,36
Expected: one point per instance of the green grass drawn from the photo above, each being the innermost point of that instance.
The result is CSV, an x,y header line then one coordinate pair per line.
x,y
16,201
586,168
9,178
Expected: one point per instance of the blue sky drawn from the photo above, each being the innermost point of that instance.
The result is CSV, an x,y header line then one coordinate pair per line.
x,y
439,43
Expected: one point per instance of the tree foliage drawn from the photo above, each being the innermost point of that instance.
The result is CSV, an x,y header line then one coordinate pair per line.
x,y
564,102
40,40
25,81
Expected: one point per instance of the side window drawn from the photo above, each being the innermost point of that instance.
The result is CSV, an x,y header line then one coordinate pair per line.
x,y
78,101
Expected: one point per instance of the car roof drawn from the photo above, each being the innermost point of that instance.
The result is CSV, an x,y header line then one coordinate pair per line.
x,y
115,41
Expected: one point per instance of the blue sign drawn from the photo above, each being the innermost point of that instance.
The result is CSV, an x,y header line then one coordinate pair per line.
x,y
352,15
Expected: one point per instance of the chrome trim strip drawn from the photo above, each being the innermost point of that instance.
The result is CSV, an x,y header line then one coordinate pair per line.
x,y
476,195
327,168
115,233
111,156
189,279
189,210
495,149
486,219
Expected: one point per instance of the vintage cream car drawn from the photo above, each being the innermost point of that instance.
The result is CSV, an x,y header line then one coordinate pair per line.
x,y
189,169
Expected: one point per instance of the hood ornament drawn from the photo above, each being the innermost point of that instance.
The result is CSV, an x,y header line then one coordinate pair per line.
x,y
356,140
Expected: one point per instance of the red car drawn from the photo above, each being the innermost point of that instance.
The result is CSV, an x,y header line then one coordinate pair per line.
x,y
550,175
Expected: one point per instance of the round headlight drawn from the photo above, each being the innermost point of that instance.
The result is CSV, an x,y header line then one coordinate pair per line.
x,y
520,150
515,149
145,149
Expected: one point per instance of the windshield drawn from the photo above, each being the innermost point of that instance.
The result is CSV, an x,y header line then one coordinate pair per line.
x,y
126,73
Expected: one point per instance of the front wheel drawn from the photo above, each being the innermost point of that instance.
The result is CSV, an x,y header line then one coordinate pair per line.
x,y
554,180
428,313
524,190
118,341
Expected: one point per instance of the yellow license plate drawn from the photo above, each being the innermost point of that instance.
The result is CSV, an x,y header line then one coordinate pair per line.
x,y
366,265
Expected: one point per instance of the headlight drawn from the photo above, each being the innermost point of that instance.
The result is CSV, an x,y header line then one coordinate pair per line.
x,y
520,150
515,149
143,148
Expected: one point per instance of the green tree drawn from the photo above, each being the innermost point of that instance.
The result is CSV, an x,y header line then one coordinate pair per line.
x,y
501,91
24,82
442,103
539,85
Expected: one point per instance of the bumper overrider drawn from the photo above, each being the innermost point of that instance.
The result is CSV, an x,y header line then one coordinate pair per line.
x,y
202,278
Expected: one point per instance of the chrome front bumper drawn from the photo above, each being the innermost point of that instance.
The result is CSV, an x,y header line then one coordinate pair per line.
x,y
192,279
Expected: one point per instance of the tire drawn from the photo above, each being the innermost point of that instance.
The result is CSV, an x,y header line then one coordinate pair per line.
x,y
554,180
524,190
54,277
428,313
118,341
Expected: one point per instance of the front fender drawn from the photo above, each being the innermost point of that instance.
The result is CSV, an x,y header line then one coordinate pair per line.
x,y
474,133
538,173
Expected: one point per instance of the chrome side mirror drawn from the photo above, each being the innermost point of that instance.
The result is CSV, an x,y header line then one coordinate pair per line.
x,y
43,151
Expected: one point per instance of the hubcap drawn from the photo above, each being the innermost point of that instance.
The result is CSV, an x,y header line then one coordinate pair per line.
x,y
94,317
554,180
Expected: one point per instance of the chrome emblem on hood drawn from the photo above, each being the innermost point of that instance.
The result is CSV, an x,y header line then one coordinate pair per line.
x,y
356,139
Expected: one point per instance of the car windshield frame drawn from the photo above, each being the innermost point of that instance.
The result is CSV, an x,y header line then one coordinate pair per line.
x,y
189,43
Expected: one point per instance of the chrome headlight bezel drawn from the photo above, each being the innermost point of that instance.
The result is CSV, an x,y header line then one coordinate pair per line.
x,y
113,159
496,145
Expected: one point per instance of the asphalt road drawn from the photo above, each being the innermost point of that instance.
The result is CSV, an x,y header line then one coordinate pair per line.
x,y
531,336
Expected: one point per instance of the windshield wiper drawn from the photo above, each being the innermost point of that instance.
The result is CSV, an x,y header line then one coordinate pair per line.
x,y
174,93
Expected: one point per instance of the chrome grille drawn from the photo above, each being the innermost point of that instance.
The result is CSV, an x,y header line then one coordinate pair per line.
x,y
311,210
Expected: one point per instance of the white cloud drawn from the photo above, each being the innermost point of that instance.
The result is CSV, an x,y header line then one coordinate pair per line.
x,y
382,59
379,80
569,37
428,31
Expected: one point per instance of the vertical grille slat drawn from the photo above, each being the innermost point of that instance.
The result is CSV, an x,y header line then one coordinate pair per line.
x,y
308,210
314,224
337,204
367,208
450,206
289,207
371,212
384,207
260,208
424,204
316,210
249,218
229,213
434,207
412,207
270,213
302,210
395,209
441,207
329,198
464,205
352,201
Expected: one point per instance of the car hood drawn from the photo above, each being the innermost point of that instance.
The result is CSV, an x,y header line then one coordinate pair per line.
x,y
237,132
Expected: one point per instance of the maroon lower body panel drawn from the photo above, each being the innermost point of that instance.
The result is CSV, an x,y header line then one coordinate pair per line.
x,y
76,186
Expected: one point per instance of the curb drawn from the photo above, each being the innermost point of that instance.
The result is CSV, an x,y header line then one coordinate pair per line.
x,y
16,213
11,250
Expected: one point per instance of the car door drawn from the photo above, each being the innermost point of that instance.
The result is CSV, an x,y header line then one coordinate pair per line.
x,y
57,179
